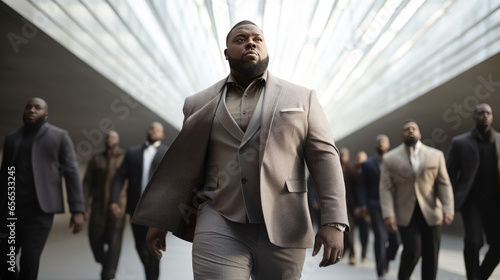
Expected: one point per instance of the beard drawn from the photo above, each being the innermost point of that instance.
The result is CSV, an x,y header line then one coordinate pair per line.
x,y
33,123
411,141
249,69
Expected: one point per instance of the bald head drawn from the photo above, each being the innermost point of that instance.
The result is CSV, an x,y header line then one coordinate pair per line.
x,y
382,144
483,116
155,132
243,22
112,139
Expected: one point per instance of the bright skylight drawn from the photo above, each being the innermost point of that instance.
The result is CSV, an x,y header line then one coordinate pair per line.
x,y
364,58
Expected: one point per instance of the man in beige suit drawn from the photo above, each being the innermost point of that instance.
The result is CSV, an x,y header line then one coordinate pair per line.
x,y
234,179
417,198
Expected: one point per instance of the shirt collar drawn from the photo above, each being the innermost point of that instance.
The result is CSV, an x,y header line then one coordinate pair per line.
x,y
263,77
155,144
417,147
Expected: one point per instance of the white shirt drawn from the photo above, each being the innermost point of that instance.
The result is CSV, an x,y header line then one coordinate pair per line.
x,y
414,156
147,158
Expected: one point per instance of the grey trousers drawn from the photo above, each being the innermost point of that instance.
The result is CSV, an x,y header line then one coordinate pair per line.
x,y
227,250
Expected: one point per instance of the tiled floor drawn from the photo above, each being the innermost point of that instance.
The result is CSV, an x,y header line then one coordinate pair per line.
x,y
67,257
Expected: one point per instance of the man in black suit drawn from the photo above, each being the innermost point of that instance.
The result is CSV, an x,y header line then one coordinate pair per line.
x,y
386,244
474,168
138,165
36,157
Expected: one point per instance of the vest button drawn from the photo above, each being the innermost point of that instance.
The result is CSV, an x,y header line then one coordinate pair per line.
x,y
243,180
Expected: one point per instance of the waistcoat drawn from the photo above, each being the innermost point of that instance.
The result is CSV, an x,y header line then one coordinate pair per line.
x,y
232,178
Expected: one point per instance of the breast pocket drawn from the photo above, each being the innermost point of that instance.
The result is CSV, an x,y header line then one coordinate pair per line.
x,y
296,186
290,124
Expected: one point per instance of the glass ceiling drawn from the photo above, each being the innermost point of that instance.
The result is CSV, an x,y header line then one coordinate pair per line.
x,y
361,56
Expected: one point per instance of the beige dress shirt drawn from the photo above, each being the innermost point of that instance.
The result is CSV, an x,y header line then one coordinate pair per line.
x,y
241,102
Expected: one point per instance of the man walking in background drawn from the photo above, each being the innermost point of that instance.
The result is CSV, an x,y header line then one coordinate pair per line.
x,y
474,168
105,232
137,167
350,180
35,159
417,198
386,243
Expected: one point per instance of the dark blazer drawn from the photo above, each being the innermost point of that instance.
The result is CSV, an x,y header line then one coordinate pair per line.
x,y
53,157
463,162
131,169
368,191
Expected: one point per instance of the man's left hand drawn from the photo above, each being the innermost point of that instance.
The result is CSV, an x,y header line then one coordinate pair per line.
x,y
76,221
448,219
333,245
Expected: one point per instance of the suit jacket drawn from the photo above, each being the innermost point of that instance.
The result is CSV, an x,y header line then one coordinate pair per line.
x,y
368,183
131,170
293,129
401,188
463,163
53,157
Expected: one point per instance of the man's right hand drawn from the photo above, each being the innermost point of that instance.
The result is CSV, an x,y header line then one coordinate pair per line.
x,y
156,241
115,210
390,224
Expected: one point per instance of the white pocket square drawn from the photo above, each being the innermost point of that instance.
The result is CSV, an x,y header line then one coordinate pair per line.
x,y
292,110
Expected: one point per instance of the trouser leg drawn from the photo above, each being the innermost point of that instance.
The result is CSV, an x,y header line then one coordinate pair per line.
x,y
151,264
490,209
219,251
226,250
381,237
33,235
114,241
364,230
431,237
473,237
411,237
97,241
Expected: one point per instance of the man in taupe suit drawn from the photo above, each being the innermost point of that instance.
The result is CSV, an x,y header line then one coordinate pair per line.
x,y
234,179
416,197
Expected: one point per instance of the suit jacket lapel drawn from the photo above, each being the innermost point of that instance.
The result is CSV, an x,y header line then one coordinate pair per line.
x,y
19,137
140,161
405,159
272,95
17,141
41,131
422,157
158,156
225,118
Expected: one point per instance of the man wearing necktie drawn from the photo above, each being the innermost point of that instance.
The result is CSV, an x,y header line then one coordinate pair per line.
x,y
416,197
137,167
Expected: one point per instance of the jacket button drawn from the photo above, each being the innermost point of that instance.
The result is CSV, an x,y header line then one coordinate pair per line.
x,y
243,180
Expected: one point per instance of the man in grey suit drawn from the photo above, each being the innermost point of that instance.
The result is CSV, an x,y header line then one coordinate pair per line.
x,y
474,168
234,179
35,159
137,167
416,197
